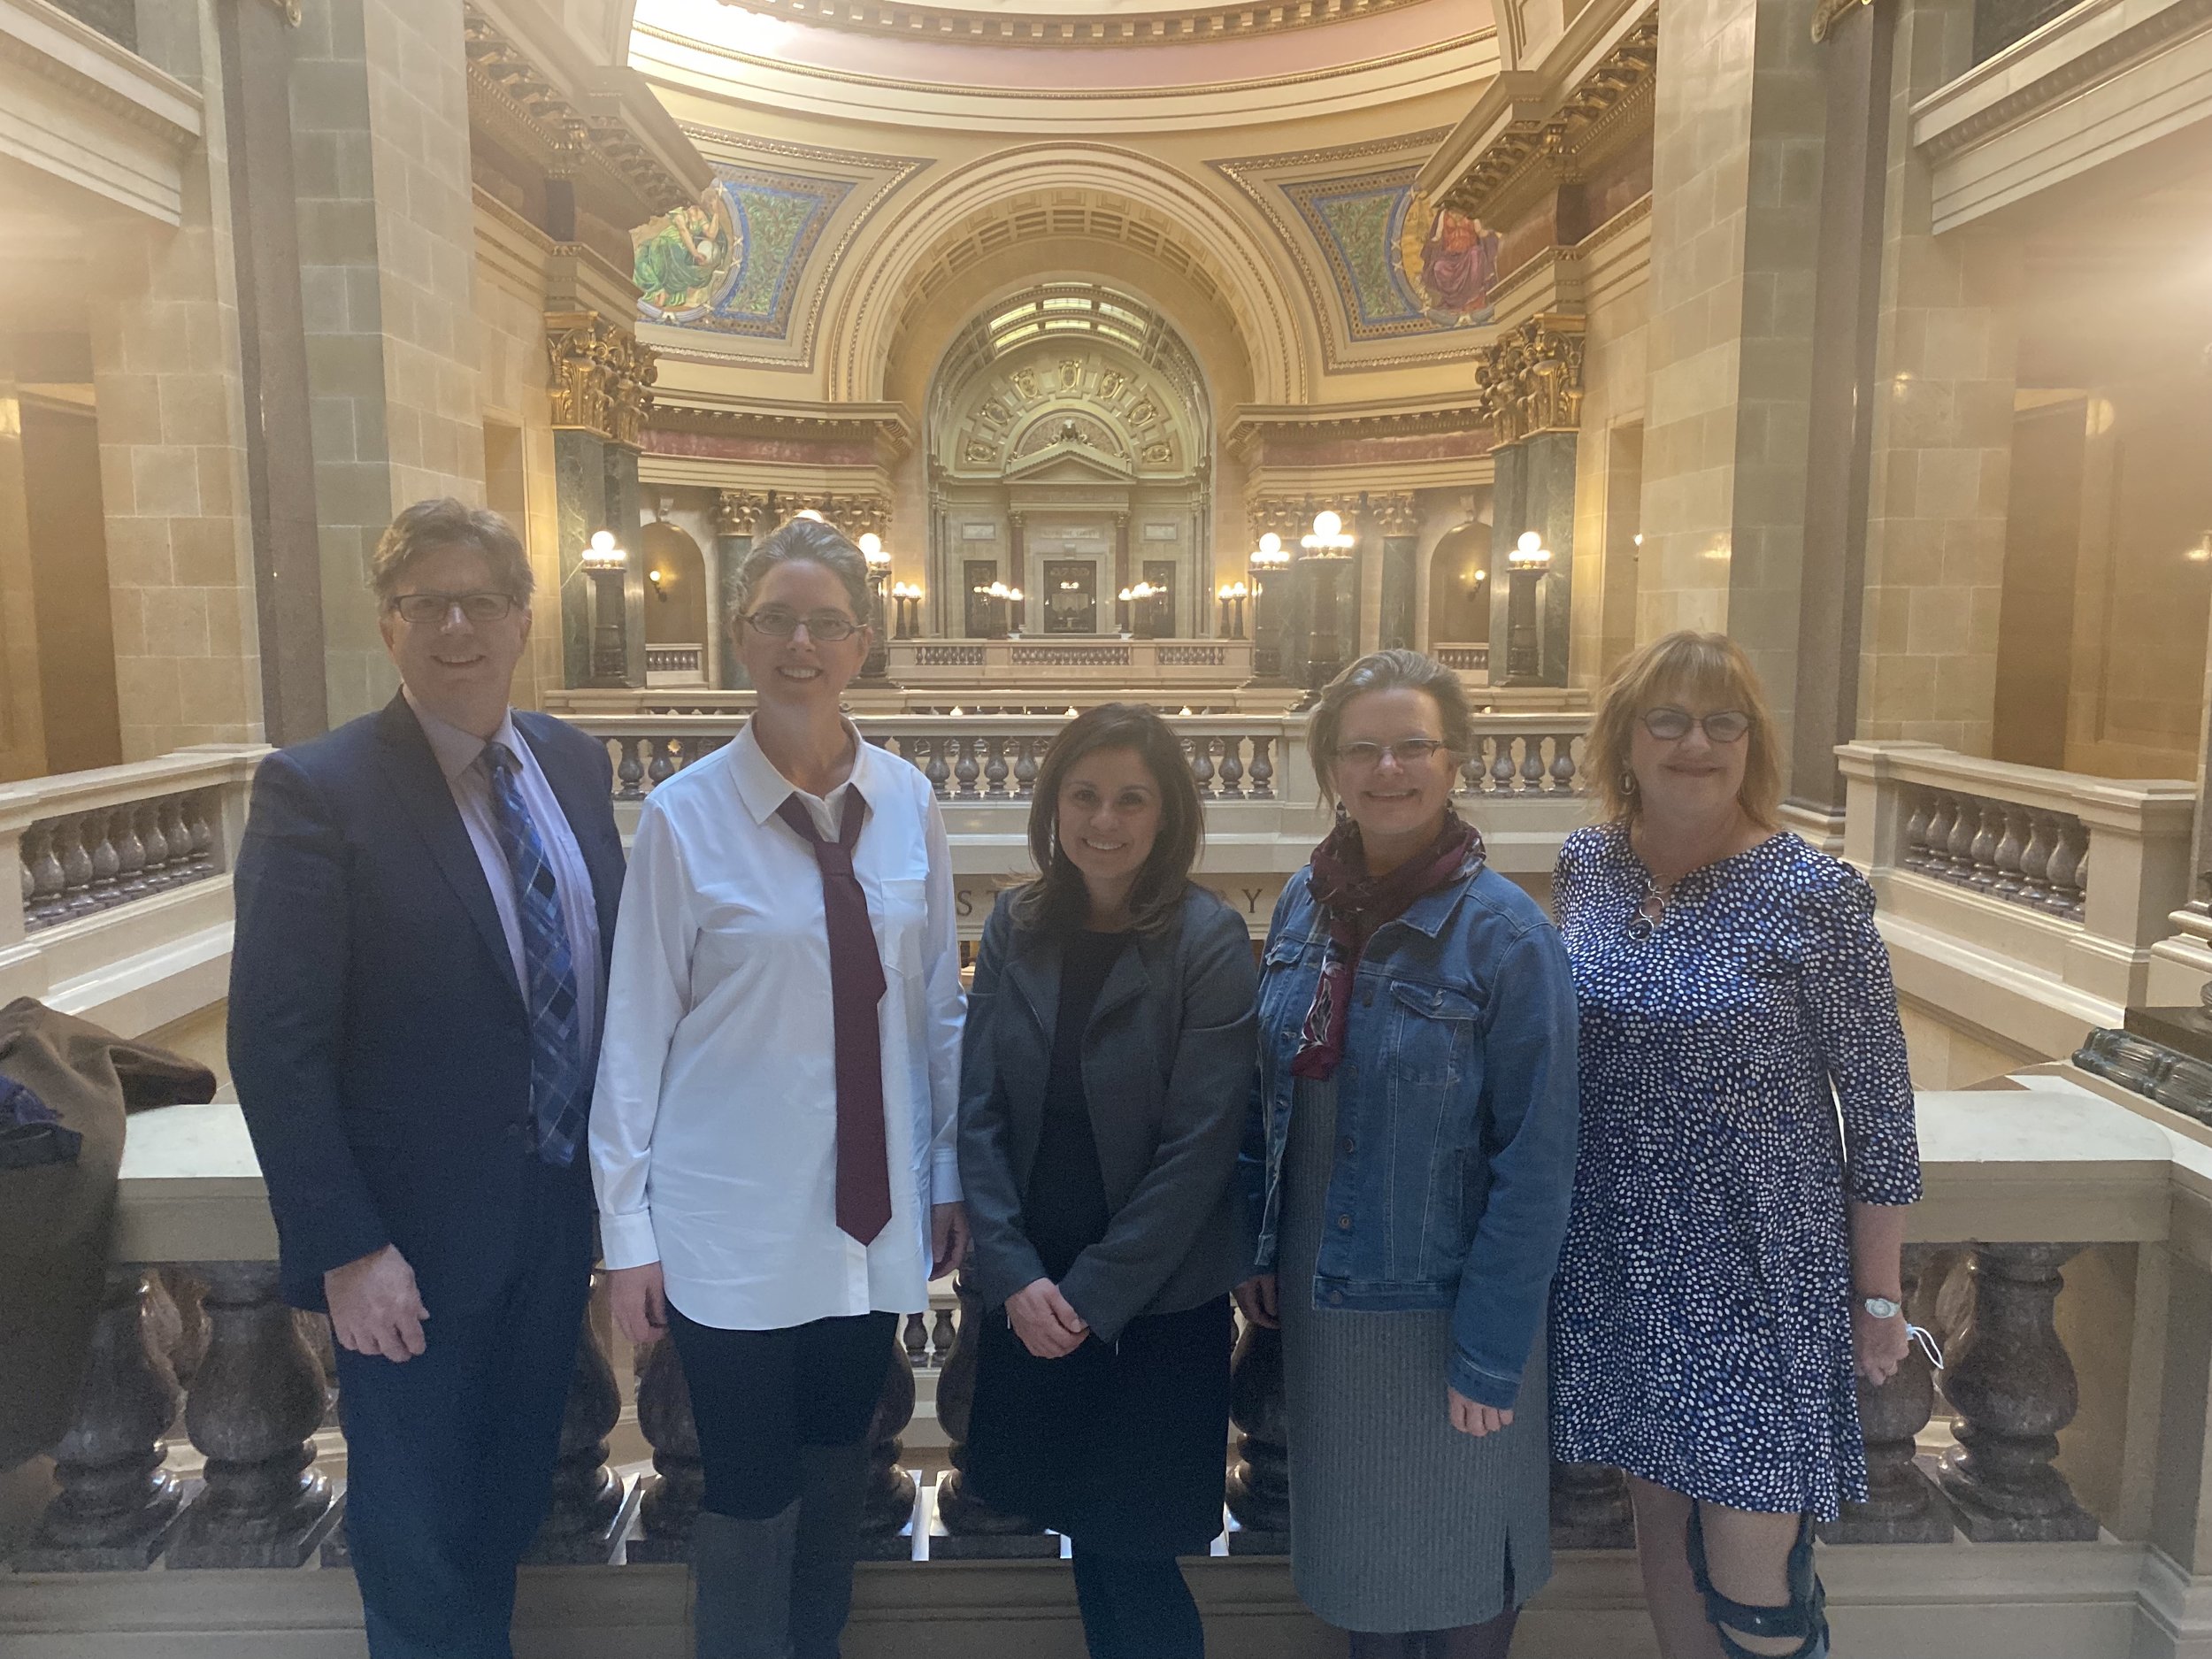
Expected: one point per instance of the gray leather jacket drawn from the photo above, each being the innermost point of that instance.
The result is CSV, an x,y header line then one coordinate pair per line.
x,y
1168,1060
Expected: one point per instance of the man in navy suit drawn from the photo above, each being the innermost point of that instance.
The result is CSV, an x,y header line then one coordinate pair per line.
x,y
425,897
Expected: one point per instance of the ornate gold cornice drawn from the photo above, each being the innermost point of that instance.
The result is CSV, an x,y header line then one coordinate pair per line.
x,y
510,93
603,377
885,426
1397,514
1249,434
1529,379
739,511
1060,30
1612,99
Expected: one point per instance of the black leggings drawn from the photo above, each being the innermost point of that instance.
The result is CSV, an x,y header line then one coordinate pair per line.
x,y
758,1396
1136,1608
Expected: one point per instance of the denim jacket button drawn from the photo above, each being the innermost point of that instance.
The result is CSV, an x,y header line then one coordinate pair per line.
x,y
1366,996
1344,1223
1348,1143
1336,1295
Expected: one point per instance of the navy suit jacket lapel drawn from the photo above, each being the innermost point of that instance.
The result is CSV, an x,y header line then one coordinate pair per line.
x,y
584,807
423,793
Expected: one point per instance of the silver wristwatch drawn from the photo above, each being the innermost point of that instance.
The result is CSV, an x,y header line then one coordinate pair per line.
x,y
1882,1308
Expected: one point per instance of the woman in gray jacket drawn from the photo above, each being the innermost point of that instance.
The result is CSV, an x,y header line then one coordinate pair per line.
x,y
1109,1050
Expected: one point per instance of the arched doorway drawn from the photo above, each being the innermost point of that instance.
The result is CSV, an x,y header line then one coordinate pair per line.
x,y
676,606
1070,435
1459,587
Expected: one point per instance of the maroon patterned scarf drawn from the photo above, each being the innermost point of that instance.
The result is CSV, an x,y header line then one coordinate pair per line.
x,y
1355,904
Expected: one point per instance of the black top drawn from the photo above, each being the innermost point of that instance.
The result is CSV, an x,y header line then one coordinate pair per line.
x,y
1064,1208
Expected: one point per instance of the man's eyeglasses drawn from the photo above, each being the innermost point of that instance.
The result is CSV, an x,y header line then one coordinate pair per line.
x,y
1672,725
828,626
425,609
1407,751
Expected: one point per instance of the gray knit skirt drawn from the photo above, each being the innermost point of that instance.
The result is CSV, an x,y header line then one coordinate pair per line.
x,y
1398,1522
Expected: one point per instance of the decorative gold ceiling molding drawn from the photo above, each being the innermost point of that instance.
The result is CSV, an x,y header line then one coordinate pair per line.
x,y
1249,432
511,95
1607,105
1072,94
962,24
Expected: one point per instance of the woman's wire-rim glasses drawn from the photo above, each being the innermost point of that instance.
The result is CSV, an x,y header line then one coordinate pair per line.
x,y
828,626
1670,725
1407,751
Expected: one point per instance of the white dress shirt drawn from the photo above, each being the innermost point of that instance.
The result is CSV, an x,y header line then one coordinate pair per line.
x,y
714,1124
469,776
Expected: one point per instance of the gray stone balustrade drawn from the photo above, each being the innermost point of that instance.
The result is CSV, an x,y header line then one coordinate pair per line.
x,y
2021,855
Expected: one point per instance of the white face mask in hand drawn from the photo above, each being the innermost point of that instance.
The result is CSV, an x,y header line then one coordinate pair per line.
x,y
1927,1342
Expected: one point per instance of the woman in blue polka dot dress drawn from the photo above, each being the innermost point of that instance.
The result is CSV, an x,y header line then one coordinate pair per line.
x,y
1732,1265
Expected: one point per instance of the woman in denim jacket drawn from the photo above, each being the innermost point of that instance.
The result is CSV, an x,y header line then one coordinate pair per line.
x,y
1411,1154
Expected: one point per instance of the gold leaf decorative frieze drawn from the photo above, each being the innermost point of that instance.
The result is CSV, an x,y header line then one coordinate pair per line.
x,y
1529,379
603,377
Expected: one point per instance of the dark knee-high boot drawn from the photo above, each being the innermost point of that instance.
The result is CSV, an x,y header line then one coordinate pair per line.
x,y
1493,1638
740,1584
832,1487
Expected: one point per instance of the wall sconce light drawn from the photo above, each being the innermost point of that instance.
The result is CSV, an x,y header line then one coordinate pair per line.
x,y
2201,552
1529,553
656,579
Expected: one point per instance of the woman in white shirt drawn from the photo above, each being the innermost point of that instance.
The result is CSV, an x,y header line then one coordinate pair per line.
x,y
772,1134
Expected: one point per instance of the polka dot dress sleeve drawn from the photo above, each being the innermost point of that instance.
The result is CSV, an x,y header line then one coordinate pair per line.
x,y
1851,1006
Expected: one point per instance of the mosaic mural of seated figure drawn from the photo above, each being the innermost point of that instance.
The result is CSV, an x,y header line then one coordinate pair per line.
x,y
683,258
1451,260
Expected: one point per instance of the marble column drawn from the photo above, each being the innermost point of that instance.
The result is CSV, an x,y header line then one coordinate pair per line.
x,y
1534,491
257,50
737,517
622,518
579,507
1399,520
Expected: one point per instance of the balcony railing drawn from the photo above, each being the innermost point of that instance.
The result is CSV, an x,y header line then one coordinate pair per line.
x,y
121,866
191,1332
2026,900
980,758
1172,664
675,666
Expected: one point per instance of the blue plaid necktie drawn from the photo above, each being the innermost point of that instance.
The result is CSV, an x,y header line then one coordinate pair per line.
x,y
556,1027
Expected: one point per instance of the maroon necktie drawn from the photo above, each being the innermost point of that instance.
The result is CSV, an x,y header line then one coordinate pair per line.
x,y
856,985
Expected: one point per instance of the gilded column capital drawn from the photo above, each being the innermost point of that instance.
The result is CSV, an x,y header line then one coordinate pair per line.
x,y
1397,514
739,513
1529,379
633,367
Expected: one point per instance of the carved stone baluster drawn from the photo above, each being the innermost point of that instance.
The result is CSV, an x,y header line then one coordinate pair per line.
x,y
46,905
591,1504
130,855
23,873
1589,1508
994,768
889,1506
1200,751
1916,851
1262,770
2014,1388
200,831
973,1530
1532,769
915,1335
942,1334
2068,879
183,864
76,866
117,1507
107,863
1232,768
160,857
1964,829
1942,818
255,1402
662,767
2011,850
627,770
1502,770
1902,1505
964,770
1989,829
1562,763
2035,859
672,1501
1024,767
1258,1487
936,770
